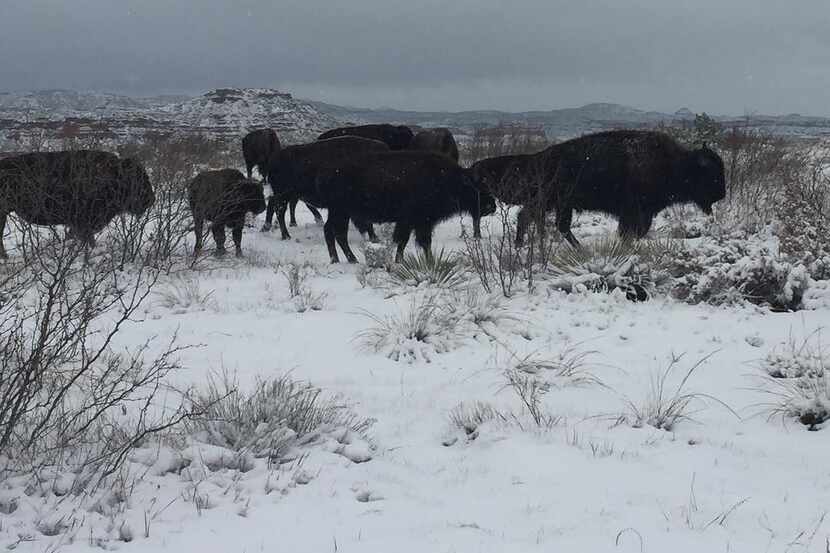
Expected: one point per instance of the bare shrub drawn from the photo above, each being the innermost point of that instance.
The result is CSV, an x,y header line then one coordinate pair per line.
x,y
494,257
159,238
501,140
64,390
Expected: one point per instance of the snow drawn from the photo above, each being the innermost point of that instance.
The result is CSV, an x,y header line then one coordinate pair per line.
x,y
588,481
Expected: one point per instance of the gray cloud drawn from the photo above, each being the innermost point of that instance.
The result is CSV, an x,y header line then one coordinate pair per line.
x,y
742,55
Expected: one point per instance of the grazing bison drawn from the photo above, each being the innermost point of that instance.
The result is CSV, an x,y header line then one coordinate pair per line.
x,y
632,175
223,197
416,190
438,140
396,137
82,189
257,148
295,169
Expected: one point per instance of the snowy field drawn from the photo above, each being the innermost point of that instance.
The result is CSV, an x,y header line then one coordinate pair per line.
x,y
589,475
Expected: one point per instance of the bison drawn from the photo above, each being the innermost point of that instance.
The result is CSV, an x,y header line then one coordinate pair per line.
x,y
257,148
223,197
438,140
82,189
414,189
396,137
632,175
296,168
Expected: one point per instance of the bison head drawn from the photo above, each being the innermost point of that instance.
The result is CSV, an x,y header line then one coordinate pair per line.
x,y
252,197
476,191
139,192
705,177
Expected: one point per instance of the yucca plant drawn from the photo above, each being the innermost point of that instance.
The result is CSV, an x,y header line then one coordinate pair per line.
x,y
444,269
608,263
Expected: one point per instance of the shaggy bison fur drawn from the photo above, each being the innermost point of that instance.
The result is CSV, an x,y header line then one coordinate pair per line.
x,y
632,175
438,140
257,148
415,190
396,137
295,169
82,189
223,197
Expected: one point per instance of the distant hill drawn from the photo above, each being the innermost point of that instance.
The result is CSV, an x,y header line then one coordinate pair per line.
x,y
226,113
569,122
231,112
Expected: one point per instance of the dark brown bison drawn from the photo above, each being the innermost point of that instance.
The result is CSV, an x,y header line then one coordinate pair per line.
x,y
416,190
632,175
83,190
223,197
438,140
396,137
296,168
257,148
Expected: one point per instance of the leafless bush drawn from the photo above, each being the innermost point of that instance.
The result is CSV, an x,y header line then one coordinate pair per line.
x,y
67,397
494,257
159,238
502,140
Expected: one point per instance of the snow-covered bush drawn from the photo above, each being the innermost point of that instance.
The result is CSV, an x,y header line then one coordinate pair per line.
x,y
427,326
378,256
278,416
442,269
796,375
731,270
635,267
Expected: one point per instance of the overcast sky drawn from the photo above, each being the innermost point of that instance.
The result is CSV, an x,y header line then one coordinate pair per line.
x,y
721,56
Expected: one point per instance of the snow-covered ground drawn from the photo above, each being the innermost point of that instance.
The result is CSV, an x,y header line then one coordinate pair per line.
x,y
587,481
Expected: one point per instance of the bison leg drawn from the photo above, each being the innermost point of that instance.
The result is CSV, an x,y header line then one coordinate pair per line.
x,y
423,236
328,232
198,228
3,254
281,209
365,228
401,236
269,214
341,233
564,218
522,221
636,226
218,231
476,227
317,217
236,233
293,207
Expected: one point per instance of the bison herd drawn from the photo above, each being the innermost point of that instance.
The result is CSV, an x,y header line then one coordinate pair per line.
x,y
373,174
